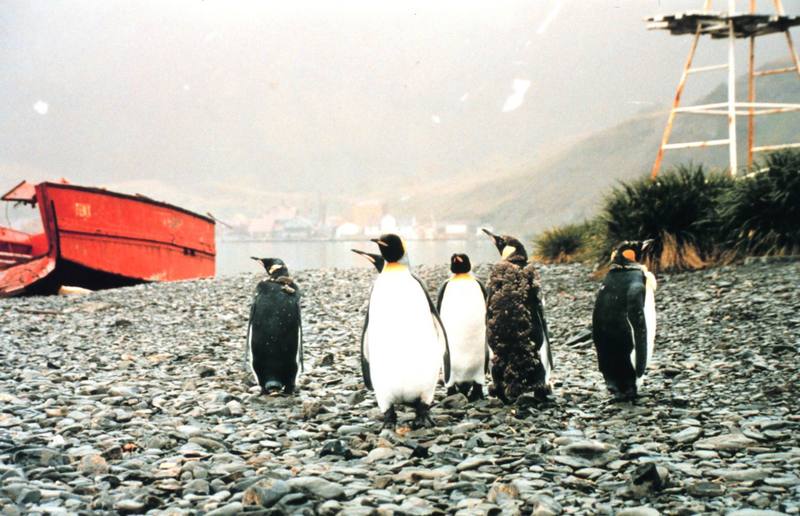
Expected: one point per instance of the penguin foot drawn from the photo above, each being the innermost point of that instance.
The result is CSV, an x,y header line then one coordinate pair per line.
x,y
499,393
476,393
542,392
423,418
623,397
389,419
422,422
271,387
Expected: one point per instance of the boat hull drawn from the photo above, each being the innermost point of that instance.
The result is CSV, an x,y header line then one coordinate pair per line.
x,y
100,239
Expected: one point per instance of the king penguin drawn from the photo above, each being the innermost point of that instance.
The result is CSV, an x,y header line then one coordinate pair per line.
x,y
375,259
516,327
462,306
403,344
624,320
275,334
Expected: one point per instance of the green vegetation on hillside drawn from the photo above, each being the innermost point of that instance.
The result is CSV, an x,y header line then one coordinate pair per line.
x,y
695,217
761,214
566,244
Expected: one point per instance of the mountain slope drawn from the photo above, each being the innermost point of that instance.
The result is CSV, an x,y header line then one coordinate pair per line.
x,y
570,186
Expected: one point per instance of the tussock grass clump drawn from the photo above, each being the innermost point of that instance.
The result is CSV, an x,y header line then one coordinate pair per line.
x,y
678,211
565,244
760,213
696,218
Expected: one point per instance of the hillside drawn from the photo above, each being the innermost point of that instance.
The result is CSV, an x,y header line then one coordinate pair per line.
x,y
568,187
236,110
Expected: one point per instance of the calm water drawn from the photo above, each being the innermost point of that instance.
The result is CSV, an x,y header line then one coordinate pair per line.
x,y
234,257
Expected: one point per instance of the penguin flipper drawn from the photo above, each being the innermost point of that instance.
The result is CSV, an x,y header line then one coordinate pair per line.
x,y
249,342
483,289
300,342
437,322
638,325
365,355
440,296
546,338
486,353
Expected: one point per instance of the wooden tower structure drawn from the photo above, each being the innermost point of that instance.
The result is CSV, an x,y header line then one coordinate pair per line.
x,y
729,25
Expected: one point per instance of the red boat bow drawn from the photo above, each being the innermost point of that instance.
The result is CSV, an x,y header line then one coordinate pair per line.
x,y
95,238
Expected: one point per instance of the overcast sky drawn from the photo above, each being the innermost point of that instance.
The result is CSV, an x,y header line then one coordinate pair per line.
x,y
322,95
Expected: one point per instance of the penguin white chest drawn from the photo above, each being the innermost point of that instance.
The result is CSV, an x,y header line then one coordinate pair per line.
x,y
649,309
463,313
405,354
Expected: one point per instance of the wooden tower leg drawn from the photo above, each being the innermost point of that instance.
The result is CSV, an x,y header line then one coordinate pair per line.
x,y
792,50
677,101
751,94
732,94
675,104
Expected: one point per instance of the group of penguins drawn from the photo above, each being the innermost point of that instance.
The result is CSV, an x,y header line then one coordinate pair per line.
x,y
408,340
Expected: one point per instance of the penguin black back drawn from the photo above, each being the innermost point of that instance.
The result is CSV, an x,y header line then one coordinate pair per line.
x,y
274,336
623,322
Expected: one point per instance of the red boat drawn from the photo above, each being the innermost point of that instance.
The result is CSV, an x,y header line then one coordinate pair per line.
x,y
96,239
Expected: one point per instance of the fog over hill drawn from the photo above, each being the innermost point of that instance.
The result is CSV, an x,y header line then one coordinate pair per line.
x,y
235,106
569,187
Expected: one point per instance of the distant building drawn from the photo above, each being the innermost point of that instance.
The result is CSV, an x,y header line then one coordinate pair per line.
x,y
372,231
456,230
265,225
388,224
367,213
348,230
296,228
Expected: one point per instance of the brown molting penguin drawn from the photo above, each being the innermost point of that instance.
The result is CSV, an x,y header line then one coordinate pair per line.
x,y
515,324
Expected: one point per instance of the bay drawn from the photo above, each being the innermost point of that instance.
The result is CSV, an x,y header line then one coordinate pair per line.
x,y
234,257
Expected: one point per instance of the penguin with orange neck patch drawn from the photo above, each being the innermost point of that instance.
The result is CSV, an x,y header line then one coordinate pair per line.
x,y
403,344
516,328
624,320
462,307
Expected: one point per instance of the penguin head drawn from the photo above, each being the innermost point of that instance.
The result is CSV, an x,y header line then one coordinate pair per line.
x,y
375,259
392,248
509,247
630,251
274,266
459,264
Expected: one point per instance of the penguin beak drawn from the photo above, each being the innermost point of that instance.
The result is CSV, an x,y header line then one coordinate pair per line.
x,y
496,239
458,259
256,259
379,242
365,255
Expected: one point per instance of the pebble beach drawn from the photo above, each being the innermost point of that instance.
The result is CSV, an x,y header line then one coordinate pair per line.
x,y
136,400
